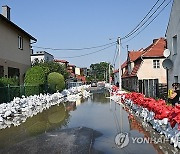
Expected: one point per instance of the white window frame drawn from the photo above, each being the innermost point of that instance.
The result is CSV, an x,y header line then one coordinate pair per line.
x,y
156,63
20,42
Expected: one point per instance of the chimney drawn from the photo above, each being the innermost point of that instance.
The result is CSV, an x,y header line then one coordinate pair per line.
x,y
6,11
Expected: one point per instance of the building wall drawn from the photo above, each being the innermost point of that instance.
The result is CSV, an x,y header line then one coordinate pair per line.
x,y
146,71
174,30
42,56
39,57
10,55
77,71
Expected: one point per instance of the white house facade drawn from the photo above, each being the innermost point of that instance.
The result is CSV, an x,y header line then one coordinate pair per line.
x,y
41,56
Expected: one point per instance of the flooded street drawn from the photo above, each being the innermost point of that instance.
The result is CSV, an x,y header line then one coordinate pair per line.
x,y
96,112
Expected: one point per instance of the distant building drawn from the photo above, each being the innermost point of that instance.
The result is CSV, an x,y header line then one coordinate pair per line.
x,y
62,62
144,68
173,42
41,56
78,71
71,70
84,71
15,47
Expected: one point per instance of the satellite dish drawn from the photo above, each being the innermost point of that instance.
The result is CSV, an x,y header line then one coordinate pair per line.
x,y
166,53
167,64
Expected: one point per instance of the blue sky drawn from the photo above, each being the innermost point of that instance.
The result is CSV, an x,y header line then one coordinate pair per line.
x,y
86,23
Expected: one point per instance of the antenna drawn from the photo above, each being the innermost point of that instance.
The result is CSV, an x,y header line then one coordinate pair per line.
x,y
166,53
167,64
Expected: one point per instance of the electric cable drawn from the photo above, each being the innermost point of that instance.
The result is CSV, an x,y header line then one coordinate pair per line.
x,y
85,48
143,18
149,22
127,36
88,53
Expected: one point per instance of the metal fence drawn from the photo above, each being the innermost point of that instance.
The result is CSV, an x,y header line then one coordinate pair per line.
x,y
73,84
7,93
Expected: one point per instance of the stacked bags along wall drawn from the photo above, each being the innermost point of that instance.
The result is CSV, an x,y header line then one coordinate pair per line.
x,y
19,109
164,119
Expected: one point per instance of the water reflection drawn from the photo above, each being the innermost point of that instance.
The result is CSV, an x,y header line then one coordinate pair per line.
x,y
56,116
96,112
100,98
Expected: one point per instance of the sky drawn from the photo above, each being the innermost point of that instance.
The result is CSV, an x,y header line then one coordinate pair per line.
x,y
64,24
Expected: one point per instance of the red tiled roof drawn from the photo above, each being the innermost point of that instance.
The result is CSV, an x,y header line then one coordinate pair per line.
x,y
136,68
116,71
156,49
124,64
125,74
61,61
72,65
133,55
82,78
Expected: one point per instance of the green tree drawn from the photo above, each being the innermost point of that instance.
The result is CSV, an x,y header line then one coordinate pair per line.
x,y
99,71
35,80
56,82
53,67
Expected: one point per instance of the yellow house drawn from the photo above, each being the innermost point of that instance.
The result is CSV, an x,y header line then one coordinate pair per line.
x,y
15,47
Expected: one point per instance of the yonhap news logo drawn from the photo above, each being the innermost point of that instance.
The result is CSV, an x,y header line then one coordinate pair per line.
x,y
122,140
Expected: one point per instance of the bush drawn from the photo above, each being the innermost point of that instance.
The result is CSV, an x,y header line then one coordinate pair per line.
x,y
56,82
7,93
35,78
8,81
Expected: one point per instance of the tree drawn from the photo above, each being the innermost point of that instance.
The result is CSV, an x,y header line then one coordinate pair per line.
x,y
99,71
53,67
35,79
56,81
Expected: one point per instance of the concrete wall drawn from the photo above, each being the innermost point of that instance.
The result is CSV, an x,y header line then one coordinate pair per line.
x,y
147,71
10,54
173,30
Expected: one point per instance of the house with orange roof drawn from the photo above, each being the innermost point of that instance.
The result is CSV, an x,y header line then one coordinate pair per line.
x,y
144,67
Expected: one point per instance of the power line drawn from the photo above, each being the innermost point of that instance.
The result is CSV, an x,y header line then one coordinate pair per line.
x,y
142,19
85,48
149,22
127,36
89,53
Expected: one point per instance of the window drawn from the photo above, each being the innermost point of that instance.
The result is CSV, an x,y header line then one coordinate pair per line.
x,y
174,44
13,72
1,71
20,42
156,64
176,79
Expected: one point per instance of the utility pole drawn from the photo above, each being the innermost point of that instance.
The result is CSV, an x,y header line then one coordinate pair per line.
x,y
119,49
109,74
121,111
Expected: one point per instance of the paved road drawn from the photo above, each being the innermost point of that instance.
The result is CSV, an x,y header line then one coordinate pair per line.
x,y
73,140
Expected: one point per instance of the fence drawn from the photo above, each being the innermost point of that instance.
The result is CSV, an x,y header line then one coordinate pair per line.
x,y
7,93
149,87
73,84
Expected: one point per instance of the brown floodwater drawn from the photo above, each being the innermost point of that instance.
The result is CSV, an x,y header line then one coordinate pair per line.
x,y
96,112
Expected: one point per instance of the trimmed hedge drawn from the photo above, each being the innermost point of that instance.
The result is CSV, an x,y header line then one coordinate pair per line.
x,y
35,78
56,82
